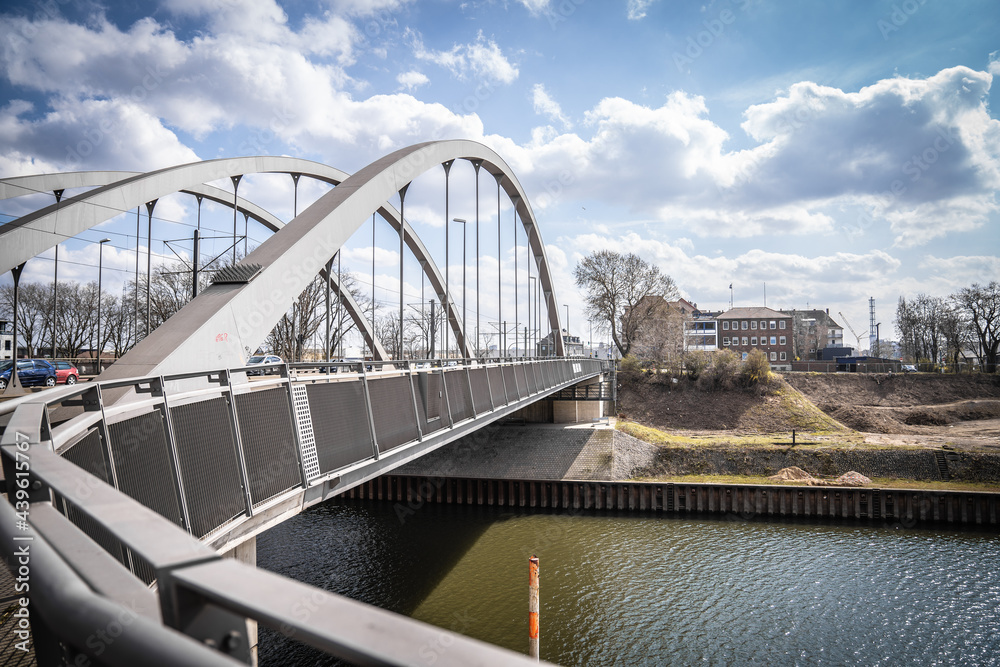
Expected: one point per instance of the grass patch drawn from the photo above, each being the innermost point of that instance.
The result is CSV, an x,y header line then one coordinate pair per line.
x,y
779,440
804,414
877,483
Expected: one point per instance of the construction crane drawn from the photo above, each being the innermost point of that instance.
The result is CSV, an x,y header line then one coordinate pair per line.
x,y
844,317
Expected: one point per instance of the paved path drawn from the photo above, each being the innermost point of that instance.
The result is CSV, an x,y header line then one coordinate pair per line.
x,y
530,451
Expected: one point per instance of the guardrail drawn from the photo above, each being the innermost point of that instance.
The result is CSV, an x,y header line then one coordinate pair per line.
x,y
115,485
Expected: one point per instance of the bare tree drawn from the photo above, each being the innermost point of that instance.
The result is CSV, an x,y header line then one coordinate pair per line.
x,y
623,291
980,304
305,321
34,308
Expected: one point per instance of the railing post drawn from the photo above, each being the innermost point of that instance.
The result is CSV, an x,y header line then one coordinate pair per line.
x,y
368,407
234,424
447,401
472,397
175,460
489,387
413,394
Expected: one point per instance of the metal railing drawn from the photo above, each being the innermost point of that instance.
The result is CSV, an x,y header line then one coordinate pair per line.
x,y
115,485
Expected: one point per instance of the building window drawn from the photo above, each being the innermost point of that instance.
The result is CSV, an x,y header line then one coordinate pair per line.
x,y
745,340
782,356
745,325
725,326
725,341
774,325
753,341
774,356
781,325
753,324
774,341
782,340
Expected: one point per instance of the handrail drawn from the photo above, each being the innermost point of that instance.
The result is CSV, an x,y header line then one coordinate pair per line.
x,y
199,594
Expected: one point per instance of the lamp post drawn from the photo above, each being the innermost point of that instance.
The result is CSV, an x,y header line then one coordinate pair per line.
x,y
566,305
531,279
100,271
465,336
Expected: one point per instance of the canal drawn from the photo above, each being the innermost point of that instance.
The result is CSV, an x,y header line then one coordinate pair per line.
x,y
653,590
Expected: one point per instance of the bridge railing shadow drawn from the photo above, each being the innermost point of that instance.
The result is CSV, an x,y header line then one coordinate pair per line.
x,y
151,486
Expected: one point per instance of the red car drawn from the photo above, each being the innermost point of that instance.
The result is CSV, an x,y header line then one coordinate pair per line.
x,y
66,373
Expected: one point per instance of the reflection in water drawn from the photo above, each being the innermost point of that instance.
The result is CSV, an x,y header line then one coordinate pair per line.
x,y
622,589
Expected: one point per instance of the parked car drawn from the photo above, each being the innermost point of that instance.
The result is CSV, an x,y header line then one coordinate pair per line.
x,y
261,360
30,373
909,368
66,373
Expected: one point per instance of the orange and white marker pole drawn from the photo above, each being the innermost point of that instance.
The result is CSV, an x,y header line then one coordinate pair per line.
x,y
533,607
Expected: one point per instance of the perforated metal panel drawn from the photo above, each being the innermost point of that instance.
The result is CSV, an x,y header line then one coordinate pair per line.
x,y
522,380
496,386
530,371
88,454
430,402
458,395
307,438
268,438
143,463
513,390
392,408
206,449
546,369
480,390
340,423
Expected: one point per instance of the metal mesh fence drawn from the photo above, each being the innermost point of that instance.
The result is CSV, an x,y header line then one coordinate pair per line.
x,y
497,386
206,450
340,424
480,390
392,408
458,395
268,438
143,463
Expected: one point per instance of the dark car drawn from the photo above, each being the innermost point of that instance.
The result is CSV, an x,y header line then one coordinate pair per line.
x,y
30,373
66,373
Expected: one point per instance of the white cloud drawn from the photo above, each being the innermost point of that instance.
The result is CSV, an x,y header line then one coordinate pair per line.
x,y
482,58
412,79
636,9
547,106
535,7
994,63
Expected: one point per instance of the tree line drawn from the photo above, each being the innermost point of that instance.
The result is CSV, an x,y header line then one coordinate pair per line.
x,y
953,329
67,318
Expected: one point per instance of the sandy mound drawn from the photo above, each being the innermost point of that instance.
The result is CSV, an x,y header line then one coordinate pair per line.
x,y
790,475
852,479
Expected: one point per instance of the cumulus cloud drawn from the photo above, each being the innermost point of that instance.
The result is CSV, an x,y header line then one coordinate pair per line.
x,y
482,58
412,79
546,106
535,7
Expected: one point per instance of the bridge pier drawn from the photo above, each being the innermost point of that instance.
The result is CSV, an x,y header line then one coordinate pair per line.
x,y
246,553
571,412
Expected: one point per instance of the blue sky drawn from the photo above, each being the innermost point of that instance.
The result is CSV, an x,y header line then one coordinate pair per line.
x,y
832,150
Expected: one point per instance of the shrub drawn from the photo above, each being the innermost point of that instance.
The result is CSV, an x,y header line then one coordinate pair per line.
x,y
722,374
630,371
695,364
756,371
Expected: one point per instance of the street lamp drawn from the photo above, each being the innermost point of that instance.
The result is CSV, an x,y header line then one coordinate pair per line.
x,y
463,221
100,270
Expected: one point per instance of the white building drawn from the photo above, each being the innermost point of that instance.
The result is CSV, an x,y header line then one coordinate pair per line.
x,y
6,340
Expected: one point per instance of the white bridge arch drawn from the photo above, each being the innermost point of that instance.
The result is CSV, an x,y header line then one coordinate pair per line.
x,y
215,328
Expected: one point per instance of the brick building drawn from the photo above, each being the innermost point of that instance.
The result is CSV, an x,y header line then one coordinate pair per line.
x,y
813,330
744,329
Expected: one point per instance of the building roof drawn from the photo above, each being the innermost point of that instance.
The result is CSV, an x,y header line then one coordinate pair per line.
x,y
754,313
816,314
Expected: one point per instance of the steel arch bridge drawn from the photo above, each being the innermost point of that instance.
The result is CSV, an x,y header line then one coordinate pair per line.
x,y
217,327
119,494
